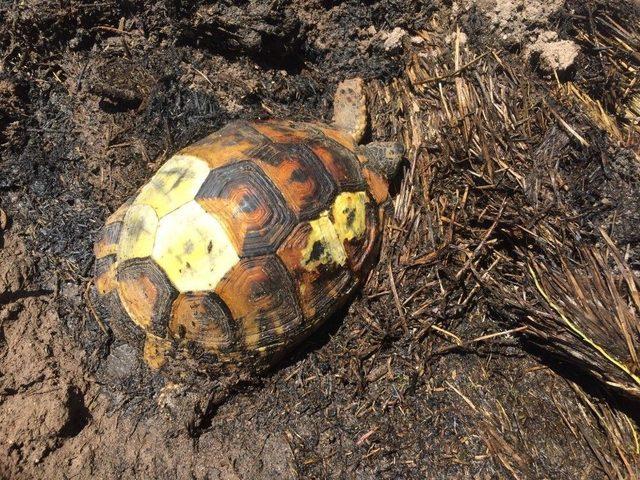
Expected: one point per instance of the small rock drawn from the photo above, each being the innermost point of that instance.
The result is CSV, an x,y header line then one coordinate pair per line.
x,y
392,39
451,38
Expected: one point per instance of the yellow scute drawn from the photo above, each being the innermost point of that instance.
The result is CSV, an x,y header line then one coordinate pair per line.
x,y
193,249
323,245
138,232
349,215
176,183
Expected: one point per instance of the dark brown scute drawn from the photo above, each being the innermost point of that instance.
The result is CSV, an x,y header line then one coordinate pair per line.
x,y
204,319
261,297
107,239
103,264
232,133
341,163
285,131
146,293
110,310
300,176
252,209
320,289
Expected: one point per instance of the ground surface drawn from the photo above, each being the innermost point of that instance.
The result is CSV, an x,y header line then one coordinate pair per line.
x,y
95,96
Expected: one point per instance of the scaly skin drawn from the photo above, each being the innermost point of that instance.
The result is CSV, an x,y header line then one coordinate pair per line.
x,y
350,108
350,115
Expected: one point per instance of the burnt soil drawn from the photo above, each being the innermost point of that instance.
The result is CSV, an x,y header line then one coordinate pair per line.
x,y
94,96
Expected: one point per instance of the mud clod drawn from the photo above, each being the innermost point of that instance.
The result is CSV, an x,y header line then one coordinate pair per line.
x,y
552,55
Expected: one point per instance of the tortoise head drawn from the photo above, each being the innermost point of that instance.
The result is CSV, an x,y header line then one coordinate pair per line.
x,y
383,157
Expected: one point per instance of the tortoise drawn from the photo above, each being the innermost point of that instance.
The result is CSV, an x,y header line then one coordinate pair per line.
x,y
243,243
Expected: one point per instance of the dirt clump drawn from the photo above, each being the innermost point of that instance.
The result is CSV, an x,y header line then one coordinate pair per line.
x,y
521,25
552,55
513,21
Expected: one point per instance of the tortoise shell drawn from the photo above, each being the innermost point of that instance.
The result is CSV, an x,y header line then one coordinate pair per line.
x,y
241,244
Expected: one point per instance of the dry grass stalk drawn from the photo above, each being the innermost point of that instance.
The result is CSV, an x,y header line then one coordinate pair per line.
x,y
615,36
484,197
589,315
